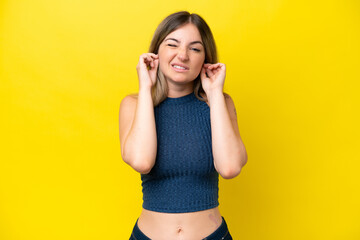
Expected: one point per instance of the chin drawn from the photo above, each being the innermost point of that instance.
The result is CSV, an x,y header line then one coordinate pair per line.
x,y
181,80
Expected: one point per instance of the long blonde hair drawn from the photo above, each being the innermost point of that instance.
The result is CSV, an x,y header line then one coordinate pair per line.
x,y
168,25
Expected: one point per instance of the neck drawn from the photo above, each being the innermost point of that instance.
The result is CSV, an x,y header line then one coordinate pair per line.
x,y
175,91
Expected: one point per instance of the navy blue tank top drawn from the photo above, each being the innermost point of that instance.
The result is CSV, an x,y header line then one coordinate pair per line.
x,y
183,178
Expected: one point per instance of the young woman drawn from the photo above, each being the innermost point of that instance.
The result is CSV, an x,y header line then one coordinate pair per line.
x,y
180,132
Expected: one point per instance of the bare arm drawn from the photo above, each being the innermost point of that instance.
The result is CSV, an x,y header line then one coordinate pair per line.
x,y
137,128
228,149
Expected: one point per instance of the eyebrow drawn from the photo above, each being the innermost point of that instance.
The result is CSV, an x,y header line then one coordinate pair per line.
x,y
174,39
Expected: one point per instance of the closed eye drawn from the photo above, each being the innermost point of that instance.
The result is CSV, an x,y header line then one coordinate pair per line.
x,y
195,49
172,45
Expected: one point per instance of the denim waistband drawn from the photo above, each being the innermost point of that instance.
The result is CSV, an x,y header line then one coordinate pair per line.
x,y
221,232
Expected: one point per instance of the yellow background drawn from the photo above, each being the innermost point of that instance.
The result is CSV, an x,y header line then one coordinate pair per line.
x,y
292,70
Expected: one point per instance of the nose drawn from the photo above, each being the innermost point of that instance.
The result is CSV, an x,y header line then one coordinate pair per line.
x,y
183,54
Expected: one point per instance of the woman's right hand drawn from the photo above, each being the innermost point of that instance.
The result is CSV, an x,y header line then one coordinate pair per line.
x,y
147,70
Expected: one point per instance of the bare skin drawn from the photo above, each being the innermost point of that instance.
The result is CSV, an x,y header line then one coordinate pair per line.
x,y
187,226
181,59
179,226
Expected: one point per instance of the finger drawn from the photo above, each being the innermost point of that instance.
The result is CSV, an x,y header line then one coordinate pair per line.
x,y
212,67
144,59
154,70
150,54
144,56
203,74
155,63
218,65
207,64
149,61
209,72
148,58
153,55
215,66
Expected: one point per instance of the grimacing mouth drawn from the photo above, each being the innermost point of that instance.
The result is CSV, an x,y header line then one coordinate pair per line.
x,y
180,65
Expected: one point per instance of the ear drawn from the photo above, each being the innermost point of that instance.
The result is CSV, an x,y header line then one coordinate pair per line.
x,y
203,73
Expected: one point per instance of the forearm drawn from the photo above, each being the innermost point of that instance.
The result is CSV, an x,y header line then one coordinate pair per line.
x,y
141,144
228,149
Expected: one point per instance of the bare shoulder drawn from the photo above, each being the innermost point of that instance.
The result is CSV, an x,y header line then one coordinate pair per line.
x,y
129,101
127,107
126,113
130,98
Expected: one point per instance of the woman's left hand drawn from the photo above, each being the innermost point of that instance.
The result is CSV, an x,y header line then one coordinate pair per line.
x,y
214,81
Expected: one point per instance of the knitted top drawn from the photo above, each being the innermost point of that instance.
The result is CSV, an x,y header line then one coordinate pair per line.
x,y
183,178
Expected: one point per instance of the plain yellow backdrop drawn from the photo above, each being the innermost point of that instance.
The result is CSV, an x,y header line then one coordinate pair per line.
x,y
292,70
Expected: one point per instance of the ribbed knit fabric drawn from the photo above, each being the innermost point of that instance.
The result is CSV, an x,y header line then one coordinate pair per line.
x,y
183,178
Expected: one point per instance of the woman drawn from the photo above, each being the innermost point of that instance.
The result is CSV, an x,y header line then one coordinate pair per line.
x,y
180,132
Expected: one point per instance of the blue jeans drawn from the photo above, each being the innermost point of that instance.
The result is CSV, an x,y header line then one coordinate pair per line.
x,y
222,233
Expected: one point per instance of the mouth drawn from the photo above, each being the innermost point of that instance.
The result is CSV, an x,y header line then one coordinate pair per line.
x,y
179,67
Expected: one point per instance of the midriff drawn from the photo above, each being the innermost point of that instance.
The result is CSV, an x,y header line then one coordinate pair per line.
x,y
179,226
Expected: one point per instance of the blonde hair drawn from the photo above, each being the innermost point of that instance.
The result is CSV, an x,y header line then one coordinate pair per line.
x,y
168,25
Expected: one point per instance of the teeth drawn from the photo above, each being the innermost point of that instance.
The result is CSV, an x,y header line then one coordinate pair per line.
x,y
179,67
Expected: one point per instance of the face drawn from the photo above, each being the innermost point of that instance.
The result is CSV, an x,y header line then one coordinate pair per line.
x,y
182,55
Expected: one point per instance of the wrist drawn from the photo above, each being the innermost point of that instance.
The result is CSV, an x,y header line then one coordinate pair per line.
x,y
145,88
214,95
145,91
